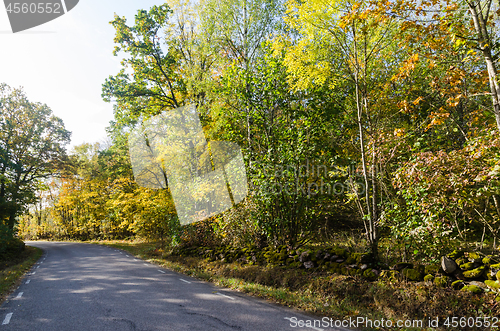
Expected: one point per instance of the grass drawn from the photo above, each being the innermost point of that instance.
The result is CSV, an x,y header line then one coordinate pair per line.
x,y
323,294
12,270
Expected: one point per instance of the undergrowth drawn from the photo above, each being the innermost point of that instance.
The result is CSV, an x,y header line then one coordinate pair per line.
x,y
12,270
324,294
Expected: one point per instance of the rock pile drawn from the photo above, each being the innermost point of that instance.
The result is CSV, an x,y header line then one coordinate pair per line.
x,y
467,271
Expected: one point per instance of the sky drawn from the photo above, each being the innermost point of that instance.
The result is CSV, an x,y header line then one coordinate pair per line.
x,y
63,63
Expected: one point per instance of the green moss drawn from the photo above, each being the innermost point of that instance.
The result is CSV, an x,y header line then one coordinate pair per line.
x,y
361,258
457,285
487,260
431,269
475,273
472,288
467,266
441,281
461,260
456,254
429,278
350,260
474,257
495,266
412,274
390,275
356,257
498,275
492,284
340,252
369,274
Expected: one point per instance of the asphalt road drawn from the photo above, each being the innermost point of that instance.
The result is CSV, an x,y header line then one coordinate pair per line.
x,y
91,287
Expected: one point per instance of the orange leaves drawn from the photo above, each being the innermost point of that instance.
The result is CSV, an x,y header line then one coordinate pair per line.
x,y
371,14
417,100
406,68
406,107
437,118
454,100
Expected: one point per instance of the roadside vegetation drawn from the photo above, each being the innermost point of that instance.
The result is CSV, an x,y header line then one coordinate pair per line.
x,y
324,293
370,136
14,263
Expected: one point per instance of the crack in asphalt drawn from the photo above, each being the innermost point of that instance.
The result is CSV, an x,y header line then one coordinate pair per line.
x,y
131,324
236,327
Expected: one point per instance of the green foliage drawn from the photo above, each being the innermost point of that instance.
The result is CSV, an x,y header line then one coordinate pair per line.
x,y
148,81
32,143
472,288
10,248
338,107
447,195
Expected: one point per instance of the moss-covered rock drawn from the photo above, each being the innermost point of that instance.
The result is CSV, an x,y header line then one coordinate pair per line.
x,y
350,259
304,256
456,254
457,285
467,266
309,264
370,274
389,275
402,265
472,288
493,284
441,281
412,274
362,258
495,266
431,269
461,260
474,257
429,278
487,260
340,252
474,273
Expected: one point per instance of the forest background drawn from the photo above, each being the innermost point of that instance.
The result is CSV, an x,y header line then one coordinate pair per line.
x,y
381,118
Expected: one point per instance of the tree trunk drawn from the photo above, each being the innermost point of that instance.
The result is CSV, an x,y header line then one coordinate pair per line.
x,y
484,41
369,213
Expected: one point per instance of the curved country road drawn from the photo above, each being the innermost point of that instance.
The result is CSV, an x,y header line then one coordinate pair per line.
x,y
87,287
